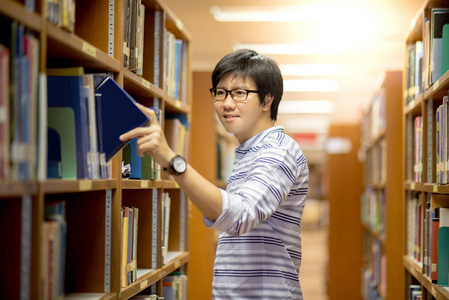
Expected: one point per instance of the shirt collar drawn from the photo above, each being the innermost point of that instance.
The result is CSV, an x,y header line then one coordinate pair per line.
x,y
255,140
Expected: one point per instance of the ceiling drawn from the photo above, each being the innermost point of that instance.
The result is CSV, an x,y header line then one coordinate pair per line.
x,y
370,31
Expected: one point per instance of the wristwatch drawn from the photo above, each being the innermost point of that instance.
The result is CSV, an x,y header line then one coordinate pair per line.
x,y
177,165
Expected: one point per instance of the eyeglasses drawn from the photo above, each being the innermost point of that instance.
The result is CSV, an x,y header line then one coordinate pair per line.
x,y
236,94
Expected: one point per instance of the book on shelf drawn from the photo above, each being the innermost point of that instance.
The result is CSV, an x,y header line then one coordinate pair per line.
x,y
119,115
418,164
166,203
129,231
62,13
65,89
4,113
19,110
438,18
174,286
53,249
413,81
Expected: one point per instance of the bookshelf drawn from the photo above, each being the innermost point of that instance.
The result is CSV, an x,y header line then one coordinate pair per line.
x,y
383,275
345,226
97,42
425,185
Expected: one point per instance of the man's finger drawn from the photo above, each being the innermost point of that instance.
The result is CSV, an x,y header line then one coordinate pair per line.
x,y
136,132
151,114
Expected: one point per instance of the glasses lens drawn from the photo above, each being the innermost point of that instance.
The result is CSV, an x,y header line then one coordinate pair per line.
x,y
218,94
239,95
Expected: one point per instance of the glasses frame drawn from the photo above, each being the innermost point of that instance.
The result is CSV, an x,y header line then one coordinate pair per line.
x,y
229,92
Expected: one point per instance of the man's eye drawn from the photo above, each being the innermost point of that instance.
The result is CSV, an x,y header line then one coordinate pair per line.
x,y
240,92
220,92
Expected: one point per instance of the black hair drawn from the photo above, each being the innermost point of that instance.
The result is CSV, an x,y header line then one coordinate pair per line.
x,y
262,69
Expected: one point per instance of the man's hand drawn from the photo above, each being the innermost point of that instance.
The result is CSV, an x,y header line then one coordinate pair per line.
x,y
151,139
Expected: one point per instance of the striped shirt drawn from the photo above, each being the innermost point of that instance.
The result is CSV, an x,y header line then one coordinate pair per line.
x,y
259,250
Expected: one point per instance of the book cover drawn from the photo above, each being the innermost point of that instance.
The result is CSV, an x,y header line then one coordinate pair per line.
x,y
136,161
439,17
434,247
443,256
62,143
119,114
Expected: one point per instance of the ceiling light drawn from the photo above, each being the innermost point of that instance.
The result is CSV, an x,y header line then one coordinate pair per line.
x,y
306,107
311,85
273,13
310,70
312,48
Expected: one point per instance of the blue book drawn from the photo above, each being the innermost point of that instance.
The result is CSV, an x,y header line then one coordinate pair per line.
x,y
443,256
119,114
65,89
136,161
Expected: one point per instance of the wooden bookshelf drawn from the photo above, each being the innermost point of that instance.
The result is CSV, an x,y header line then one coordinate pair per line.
x,y
383,274
422,193
344,185
93,206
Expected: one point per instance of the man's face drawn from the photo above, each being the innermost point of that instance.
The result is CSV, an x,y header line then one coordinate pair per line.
x,y
241,118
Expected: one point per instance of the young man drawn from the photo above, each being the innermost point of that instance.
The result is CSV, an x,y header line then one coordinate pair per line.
x,y
259,215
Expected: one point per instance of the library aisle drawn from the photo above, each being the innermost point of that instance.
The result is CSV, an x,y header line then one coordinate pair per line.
x,y
314,232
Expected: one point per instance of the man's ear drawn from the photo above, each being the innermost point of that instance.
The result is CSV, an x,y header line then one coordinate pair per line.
x,y
267,102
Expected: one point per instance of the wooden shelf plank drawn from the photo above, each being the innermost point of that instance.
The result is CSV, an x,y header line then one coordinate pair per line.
x,y
16,11
176,260
67,46
440,293
18,189
55,186
141,184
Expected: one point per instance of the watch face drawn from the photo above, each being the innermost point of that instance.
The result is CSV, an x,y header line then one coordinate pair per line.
x,y
179,164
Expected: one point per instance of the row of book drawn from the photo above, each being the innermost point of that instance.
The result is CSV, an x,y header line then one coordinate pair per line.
x,y
22,103
86,115
174,287
428,238
62,13
129,230
426,59
175,66
374,277
373,210
137,167
177,133
415,292
53,249
134,36
442,134
375,121
418,146
129,235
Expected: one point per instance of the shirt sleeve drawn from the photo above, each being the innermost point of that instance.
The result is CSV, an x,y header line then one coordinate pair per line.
x,y
266,185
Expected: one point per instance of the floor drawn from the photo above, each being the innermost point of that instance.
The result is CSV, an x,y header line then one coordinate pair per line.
x,y
313,272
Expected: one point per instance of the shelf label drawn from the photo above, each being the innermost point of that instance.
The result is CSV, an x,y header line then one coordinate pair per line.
x,y
145,83
144,184
85,185
179,24
436,85
177,264
435,188
89,49
178,103
143,284
412,185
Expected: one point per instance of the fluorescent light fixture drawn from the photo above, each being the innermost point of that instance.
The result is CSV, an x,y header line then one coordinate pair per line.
x,y
311,85
312,48
310,70
306,107
301,124
276,13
